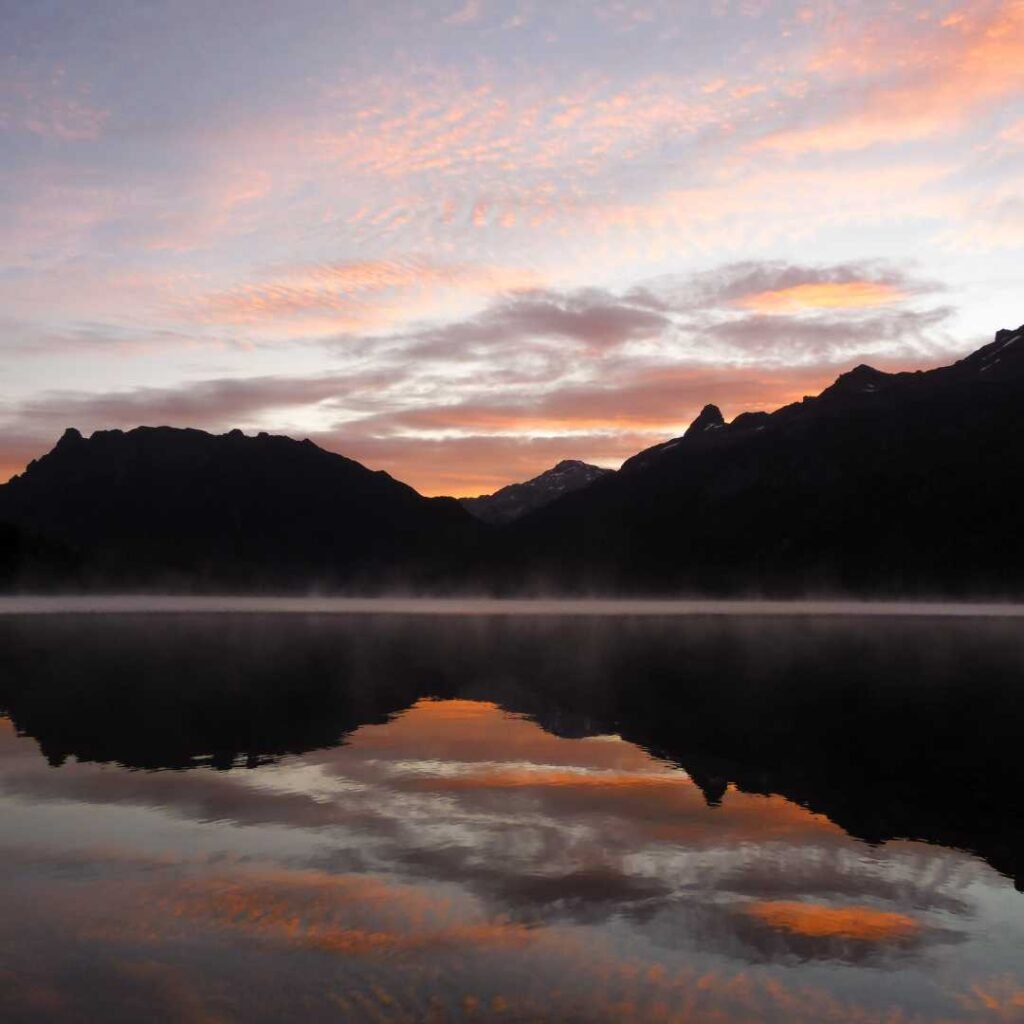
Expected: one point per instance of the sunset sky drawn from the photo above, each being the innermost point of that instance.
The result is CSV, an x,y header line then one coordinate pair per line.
x,y
460,240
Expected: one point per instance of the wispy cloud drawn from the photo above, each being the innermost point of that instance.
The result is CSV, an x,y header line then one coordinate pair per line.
x,y
456,195
358,295
947,70
465,405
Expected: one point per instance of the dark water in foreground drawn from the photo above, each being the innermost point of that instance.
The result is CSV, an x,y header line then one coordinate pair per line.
x,y
220,818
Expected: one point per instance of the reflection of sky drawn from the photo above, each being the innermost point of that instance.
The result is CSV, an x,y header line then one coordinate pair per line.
x,y
459,860
461,240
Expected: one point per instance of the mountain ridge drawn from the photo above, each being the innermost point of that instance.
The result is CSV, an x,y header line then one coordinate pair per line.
x,y
516,500
870,486
892,484
179,504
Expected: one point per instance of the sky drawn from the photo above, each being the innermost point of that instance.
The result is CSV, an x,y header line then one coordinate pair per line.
x,y
460,240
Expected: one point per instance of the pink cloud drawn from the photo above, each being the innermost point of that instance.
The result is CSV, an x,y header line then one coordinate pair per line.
x,y
975,59
467,14
359,294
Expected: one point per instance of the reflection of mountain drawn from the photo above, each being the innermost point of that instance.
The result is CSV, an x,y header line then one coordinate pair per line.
x,y
891,728
898,483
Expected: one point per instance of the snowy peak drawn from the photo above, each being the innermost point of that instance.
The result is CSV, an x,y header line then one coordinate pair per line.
x,y
516,500
710,418
861,380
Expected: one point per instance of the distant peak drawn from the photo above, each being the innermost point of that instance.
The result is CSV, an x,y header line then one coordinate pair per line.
x,y
70,436
517,499
861,379
710,418
863,370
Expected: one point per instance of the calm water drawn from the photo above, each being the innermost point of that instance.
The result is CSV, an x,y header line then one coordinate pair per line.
x,y
405,818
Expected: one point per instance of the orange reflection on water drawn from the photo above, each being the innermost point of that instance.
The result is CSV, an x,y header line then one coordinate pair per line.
x,y
465,748
820,921
352,915
466,731
1000,999
527,777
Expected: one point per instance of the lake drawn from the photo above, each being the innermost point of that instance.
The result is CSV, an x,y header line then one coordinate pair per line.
x,y
428,812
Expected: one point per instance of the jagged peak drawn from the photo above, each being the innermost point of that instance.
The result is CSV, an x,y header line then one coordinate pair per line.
x,y
70,436
710,418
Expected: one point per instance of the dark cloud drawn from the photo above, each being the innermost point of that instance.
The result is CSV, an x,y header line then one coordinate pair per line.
x,y
889,336
208,403
591,318
826,313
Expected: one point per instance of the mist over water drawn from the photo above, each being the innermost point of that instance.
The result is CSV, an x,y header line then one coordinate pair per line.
x,y
452,811
441,606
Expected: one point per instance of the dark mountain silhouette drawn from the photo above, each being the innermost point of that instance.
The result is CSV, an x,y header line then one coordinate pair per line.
x,y
163,506
516,500
885,482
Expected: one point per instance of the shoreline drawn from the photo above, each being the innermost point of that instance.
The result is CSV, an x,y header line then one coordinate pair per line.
x,y
145,604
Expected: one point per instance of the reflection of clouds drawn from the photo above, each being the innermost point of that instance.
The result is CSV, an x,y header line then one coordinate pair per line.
x,y
996,999
350,915
386,951
547,878
537,824
815,920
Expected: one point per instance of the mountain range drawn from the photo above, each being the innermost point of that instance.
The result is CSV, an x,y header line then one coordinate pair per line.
x,y
886,483
517,500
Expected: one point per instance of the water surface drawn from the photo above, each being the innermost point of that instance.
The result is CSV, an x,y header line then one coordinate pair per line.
x,y
424,817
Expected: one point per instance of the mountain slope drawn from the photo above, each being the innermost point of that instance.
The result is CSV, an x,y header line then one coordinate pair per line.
x,y
158,504
513,502
886,482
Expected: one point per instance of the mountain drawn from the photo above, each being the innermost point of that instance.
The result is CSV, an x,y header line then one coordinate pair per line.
x,y
901,483
163,506
894,484
516,500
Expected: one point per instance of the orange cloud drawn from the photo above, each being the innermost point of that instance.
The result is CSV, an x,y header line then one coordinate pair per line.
x,y
491,445
817,920
823,295
468,466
